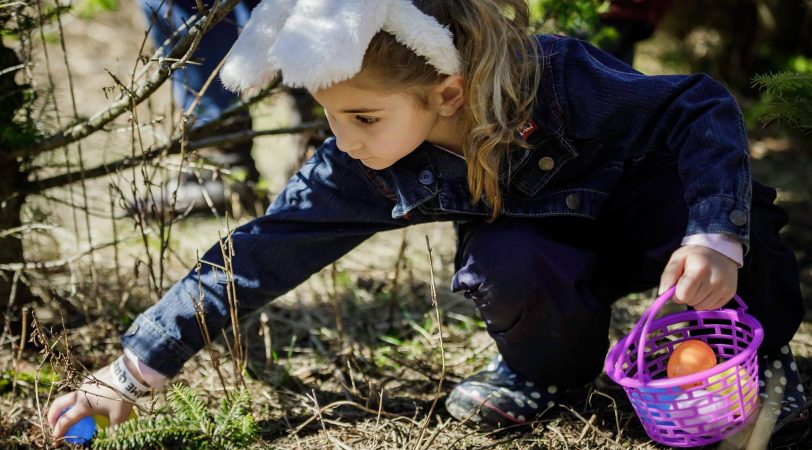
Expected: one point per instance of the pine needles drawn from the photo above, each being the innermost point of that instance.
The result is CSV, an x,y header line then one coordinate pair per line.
x,y
792,98
190,426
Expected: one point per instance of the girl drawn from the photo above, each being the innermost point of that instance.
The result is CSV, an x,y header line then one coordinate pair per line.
x,y
572,180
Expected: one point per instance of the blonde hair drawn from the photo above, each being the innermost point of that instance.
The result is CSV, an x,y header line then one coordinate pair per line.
x,y
501,70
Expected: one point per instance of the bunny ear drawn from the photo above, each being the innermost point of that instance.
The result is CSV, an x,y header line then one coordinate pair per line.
x,y
246,65
316,43
324,41
424,35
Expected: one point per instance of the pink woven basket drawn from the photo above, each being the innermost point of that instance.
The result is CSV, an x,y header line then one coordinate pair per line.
x,y
726,395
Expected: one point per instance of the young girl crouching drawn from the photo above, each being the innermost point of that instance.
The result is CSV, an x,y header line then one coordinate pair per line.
x,y
572,180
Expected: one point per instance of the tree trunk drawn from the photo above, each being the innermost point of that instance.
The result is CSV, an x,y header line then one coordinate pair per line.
x,y
11,247
11,180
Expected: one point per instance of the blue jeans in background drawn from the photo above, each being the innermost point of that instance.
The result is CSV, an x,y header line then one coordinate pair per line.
x,y
195,191
164,17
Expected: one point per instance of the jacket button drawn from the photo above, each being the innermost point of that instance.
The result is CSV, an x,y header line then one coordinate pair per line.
x,y
546,163
738,217
132,330
573,201
426,177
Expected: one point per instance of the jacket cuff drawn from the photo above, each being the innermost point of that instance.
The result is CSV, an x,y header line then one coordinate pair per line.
x,y
154,347
721,215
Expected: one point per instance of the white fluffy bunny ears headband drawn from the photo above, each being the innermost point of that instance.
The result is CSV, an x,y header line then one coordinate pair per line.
x,y
316,43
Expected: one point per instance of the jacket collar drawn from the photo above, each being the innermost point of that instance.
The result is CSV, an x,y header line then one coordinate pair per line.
x,y
414,178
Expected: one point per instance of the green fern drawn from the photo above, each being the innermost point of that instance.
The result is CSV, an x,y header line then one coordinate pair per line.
x,y
791,98
190,409
232,418
190,426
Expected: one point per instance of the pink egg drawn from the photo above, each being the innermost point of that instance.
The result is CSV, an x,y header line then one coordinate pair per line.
x,y
699,407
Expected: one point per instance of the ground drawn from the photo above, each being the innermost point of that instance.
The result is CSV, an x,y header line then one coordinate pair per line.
x,y
350,359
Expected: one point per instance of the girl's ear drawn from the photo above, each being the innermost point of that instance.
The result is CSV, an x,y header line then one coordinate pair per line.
x,y
448,95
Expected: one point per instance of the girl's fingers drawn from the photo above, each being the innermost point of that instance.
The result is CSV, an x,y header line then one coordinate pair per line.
x,y
708,302
65,421
58,406
705,293
687,287
671,273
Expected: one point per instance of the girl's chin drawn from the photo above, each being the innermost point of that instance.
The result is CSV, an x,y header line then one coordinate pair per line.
x,y
376,164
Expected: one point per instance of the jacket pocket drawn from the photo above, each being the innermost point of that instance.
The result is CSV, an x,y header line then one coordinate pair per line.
x,y
544,162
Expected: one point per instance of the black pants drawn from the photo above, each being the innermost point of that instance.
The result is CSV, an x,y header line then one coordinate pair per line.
x,y
544,287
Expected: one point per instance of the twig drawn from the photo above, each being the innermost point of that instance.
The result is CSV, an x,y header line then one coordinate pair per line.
x,y
393,292
265,330
27,227
559,434
336,303
336,404
586,427
13,68
12,267
80,153
378,419
614,408
442,351
171,148
116,259
318,415
200,316
594,428
86,127
52,89
238,355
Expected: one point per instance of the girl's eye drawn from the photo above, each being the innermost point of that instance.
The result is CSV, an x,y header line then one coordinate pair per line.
x,y
366,120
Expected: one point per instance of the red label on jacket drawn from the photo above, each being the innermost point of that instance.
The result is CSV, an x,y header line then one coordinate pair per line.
x,y
527,129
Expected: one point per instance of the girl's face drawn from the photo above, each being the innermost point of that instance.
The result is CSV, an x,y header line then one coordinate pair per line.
x,y
375,128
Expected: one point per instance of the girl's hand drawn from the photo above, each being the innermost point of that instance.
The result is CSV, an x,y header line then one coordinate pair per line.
x,y
91,398
705,278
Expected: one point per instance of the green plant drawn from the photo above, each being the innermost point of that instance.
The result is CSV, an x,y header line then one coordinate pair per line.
x,y
89,9
45,378
574,18
190,426
790,98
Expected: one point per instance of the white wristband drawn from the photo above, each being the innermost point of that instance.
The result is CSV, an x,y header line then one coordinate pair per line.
x,y
124,381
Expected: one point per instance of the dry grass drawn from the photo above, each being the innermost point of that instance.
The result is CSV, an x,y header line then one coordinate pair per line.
x,y
360,356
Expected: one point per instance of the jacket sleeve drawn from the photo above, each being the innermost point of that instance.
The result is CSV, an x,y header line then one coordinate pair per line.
x,y
691,117
329,207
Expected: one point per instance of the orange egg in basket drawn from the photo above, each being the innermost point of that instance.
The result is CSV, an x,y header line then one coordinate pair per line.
x,y
690,357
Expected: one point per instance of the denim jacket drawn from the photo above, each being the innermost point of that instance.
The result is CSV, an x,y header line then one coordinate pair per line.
x,y
594,116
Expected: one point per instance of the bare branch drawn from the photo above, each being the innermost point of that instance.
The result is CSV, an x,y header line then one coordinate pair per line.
x,y
15,267
182,50
169,149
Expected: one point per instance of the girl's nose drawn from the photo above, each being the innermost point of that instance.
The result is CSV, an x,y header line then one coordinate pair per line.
x,y
346,144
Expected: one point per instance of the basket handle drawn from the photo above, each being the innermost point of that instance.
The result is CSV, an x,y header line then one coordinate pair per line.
x,y
641,330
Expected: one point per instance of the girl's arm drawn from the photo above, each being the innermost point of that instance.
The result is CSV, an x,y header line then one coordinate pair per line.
x,y
329,207
693,118
605,103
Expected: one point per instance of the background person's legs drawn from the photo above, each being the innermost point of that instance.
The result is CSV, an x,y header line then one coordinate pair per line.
x,y
634,21
163,18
